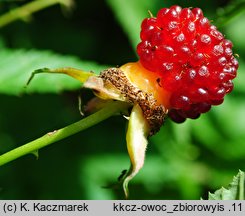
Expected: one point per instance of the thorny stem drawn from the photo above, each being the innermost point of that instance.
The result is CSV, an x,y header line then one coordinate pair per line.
x,y
225,15
29,8
112,108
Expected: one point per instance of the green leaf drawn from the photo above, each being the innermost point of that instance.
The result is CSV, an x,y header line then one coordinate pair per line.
x,y
235,31
130,15
228,13
239,81
235,190
17,66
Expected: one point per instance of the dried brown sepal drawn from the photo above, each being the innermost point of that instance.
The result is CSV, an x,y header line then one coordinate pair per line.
x,y
152,111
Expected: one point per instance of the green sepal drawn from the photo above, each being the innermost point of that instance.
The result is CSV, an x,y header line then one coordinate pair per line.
x,y
137,133
80,75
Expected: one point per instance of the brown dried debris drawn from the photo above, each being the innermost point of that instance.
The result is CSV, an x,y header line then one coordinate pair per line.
x,y
153,112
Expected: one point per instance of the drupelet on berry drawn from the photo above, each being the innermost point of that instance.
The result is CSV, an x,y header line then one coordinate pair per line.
x,y
191,59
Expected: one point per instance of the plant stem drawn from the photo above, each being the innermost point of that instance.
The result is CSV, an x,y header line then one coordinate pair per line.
x,y
29,8
49,138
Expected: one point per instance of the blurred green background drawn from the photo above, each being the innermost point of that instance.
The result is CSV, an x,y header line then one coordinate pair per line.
x,y
183,161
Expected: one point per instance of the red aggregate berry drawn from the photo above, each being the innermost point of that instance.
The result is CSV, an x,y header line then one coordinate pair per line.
x,y
193,60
